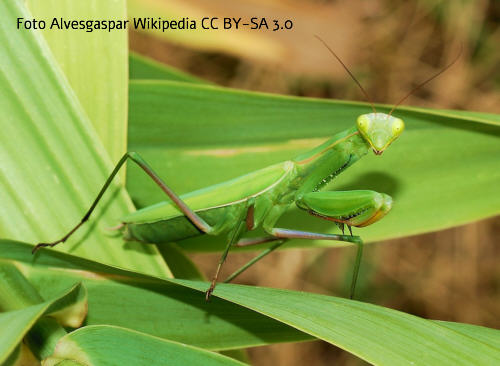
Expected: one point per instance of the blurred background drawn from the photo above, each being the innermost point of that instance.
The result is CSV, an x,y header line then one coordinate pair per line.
x,y
390,46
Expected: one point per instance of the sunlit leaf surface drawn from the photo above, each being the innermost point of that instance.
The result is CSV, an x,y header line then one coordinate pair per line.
x,y
95,63
379,335
106,345
52,163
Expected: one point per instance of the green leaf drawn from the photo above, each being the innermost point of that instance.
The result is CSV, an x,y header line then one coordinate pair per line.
x,y
485,117
107,345
376,334
145,68
16,292
52,162
486,335
127,299
15,324
95,63
380,336
443,171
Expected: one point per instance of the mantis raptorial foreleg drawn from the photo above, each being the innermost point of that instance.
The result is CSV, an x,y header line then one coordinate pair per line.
x,y
351,208
136,158
281,235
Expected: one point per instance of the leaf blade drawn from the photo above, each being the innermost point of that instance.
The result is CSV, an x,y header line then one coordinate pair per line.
x,y
146,302
18,322
98,345
51,156
378,335
95,64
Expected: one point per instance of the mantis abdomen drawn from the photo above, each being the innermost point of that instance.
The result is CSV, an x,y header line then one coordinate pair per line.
x,y
219,205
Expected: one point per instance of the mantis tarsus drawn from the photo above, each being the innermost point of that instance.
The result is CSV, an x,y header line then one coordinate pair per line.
x,y
260,198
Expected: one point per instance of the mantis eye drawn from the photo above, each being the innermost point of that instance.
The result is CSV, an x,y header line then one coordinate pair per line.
x,y
363,122
398,126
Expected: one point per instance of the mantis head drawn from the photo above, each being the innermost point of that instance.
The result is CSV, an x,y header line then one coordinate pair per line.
x,y
379,130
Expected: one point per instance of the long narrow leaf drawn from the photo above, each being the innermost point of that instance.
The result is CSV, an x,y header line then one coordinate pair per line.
x,y
126,299
95,63
16,293
15,324
376,334
106,345
51,161
483,334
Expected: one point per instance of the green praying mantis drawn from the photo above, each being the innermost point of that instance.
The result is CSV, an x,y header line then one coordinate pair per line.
x,y
260,198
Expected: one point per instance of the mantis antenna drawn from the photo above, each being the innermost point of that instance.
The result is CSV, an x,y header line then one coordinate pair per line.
x,y
349,72
428,80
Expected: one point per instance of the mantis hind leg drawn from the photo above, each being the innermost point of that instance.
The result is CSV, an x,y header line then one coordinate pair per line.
x,y
136,158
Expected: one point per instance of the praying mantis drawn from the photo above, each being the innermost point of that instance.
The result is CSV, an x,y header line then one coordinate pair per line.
x,y
260,198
